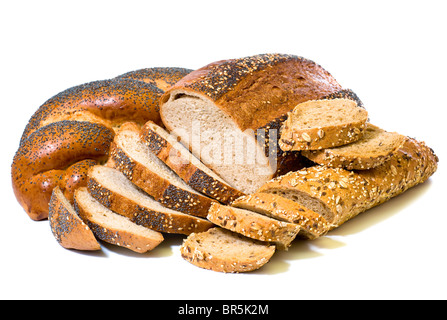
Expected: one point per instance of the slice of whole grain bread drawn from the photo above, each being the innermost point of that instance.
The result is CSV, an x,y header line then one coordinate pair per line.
x,y
374,148
222,250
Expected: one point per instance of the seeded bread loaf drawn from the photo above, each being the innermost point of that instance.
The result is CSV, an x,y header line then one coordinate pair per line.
x,y
113,190
114,228
254,225
224,251
68,229
73,130
186,165
374,148
312,225
318,124
339,195
239,103
134,159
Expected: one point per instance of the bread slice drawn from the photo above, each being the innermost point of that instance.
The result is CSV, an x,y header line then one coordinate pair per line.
x,y
339,195
113,190
227,113
134,159
312,224
114,228
254,225
319,124
186,165
68,229
374,148
224,251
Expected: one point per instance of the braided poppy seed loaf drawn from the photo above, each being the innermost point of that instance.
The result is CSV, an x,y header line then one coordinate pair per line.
x,y
72,131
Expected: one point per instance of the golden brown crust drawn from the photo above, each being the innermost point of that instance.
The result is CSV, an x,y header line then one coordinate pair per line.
x,y
162,78
347,193
185,169
68,229
41,161
252,97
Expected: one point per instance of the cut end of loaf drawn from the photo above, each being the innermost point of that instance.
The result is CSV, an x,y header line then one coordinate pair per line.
x,y
216,140
318,124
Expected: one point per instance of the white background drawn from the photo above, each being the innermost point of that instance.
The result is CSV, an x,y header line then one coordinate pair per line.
x,y
392,53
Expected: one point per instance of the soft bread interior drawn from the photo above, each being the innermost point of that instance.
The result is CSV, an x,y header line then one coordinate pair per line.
x,y
214,138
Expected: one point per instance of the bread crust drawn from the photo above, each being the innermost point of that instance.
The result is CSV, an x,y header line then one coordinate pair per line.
x,y
68,229
185,169
348,193
162,78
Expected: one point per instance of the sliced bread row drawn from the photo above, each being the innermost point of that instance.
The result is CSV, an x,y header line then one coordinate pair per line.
x,y
336,133
79,226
